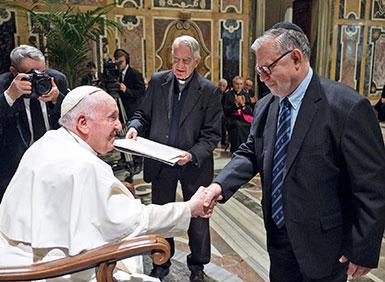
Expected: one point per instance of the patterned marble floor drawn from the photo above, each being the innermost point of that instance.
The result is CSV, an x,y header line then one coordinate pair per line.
x,y
238,236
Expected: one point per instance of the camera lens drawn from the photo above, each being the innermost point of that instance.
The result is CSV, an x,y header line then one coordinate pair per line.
x,y
43,86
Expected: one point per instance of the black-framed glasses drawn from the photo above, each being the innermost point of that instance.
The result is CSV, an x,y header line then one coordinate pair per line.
x,y
267,69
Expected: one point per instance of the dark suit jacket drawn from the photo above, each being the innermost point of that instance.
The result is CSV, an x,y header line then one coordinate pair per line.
x,y
200,122
333,191
14,129
134,92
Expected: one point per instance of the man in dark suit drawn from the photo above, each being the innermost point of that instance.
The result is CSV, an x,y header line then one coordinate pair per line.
x,y
91,78
248,87
182,109
131,83
319,150
19,125
131,95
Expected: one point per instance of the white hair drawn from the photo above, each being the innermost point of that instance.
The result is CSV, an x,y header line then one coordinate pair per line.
x,y
25,51
190,42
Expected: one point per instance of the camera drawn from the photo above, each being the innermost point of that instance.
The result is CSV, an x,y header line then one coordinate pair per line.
x,y
41,83
110,77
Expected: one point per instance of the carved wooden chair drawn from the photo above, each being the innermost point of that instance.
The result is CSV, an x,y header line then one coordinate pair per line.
x,y
103,259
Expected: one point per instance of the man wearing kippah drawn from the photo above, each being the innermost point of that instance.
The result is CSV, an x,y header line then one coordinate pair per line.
x,y
63,201
320,154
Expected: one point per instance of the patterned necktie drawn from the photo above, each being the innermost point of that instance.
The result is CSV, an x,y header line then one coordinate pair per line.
x,y
279,158
38,125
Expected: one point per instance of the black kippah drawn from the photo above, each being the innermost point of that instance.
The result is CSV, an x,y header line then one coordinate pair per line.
x,y
287,25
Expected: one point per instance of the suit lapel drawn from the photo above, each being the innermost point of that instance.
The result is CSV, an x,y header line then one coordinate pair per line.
x,y
304,119
167,91
268,144
193,97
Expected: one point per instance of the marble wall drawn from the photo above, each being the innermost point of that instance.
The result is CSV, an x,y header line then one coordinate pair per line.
x,y
149,27
359,46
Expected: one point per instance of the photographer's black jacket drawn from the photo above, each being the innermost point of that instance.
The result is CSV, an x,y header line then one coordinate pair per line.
x,y
380,107
14,129
131,99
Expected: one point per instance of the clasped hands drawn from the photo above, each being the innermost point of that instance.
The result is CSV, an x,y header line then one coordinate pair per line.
x,y
204,200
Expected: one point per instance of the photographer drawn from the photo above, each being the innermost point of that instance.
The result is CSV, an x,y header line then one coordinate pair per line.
x,y
30,100
131,82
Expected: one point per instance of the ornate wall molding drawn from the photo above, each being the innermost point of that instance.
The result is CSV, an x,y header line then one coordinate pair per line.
x,y
378,10
130,3
180,4
231,6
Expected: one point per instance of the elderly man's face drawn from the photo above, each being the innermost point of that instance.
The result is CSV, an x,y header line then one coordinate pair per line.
x,y
222,86
281,80
237,85
183,62
104,127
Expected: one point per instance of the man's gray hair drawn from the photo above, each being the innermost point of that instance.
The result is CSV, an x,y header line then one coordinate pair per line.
x,y
190,42
89,106
25,51
284,40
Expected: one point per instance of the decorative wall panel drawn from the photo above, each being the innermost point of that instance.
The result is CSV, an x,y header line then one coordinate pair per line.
x,y
231,49
7,35
180,4
352,9
231,6
83,2
349,55
149,27
378,10
132,40
375,73
358,58
130,3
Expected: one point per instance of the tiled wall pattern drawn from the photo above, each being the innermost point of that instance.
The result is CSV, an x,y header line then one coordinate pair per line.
x,y
149,27
359,46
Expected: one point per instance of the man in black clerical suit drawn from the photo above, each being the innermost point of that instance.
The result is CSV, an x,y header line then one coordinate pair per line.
x,y
318,148
182,109
23,119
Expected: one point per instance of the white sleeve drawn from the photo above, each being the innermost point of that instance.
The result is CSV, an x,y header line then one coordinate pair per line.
x,y
125,216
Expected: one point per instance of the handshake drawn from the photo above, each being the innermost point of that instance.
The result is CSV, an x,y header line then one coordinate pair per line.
x,y
204,200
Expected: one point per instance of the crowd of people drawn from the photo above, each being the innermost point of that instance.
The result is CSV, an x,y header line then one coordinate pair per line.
x,y
316,144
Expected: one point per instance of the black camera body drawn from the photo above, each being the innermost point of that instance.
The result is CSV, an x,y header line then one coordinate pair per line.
x,y
41,83
110,78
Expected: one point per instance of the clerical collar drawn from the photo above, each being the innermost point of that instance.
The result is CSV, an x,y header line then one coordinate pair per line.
x,y
182,83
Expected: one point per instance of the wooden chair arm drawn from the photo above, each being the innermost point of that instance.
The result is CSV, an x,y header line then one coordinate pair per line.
x,y
104,258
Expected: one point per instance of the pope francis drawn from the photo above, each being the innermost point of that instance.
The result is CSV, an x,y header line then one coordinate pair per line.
x,y
63,199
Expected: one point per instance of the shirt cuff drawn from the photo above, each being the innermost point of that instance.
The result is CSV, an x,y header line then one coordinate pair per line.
x,y
9,100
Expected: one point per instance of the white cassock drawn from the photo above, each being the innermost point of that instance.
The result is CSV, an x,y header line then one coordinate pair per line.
x,y
63,199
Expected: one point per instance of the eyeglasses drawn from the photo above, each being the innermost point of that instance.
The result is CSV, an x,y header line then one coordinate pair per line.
x,y
267,69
